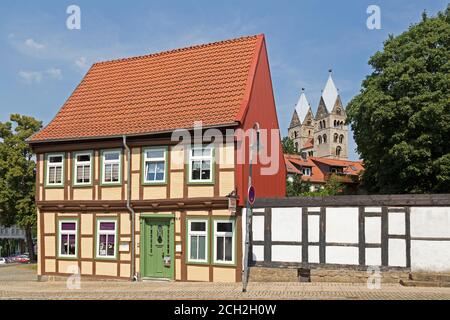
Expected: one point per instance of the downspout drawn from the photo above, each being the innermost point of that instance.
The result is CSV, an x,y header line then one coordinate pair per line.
x,y
133,276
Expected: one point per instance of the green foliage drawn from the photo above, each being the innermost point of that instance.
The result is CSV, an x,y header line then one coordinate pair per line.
x,y
17,173
297,187
331,188
401,118
288,146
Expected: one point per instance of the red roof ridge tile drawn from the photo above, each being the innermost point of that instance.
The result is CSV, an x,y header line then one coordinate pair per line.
x,y
198,46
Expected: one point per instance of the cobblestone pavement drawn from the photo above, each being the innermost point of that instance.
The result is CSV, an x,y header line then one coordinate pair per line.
x,y
18,282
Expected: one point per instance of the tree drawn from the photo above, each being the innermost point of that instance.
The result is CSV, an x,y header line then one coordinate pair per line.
x,y
17,175
288,146
332,187
297,186
401,118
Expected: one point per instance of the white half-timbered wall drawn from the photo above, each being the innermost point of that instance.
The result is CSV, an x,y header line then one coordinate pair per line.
x,y
416,238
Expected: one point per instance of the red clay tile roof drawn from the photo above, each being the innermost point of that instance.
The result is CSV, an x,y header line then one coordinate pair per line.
x,y
350,167
296,160
160,92
320,166
289,166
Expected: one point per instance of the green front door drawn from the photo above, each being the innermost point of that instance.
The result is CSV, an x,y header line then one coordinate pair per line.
x,y
157,253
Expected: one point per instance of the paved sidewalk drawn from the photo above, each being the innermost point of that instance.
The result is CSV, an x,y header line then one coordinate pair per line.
x,y
17,282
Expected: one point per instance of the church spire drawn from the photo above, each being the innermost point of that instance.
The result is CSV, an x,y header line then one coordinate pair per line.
x,y
302,106
329,93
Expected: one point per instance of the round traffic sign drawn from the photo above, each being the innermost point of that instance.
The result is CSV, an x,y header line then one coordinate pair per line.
x,y
251,195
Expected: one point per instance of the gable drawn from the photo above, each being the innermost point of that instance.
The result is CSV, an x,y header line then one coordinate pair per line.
x,y
321,110
338,105
309,117
295,120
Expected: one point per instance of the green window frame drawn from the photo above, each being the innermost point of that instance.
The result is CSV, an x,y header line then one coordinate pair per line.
x,y
149,159
220,242
201,159
83,164
112,163
197,235
51,168
67,233
107,234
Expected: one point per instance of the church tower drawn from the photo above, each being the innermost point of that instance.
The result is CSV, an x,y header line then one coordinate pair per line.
x,y
301,129
330,133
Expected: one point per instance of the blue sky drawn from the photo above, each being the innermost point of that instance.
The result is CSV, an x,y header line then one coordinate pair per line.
x,y
41,61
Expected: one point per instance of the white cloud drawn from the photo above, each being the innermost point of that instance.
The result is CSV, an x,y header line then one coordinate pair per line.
x,y
30,77
54,73
81,63
33,45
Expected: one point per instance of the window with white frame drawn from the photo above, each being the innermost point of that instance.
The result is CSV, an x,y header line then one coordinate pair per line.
x,y
111,167
106,238
197,240
68,238
306,171
201,164
224,241
82,168
55,169
154,165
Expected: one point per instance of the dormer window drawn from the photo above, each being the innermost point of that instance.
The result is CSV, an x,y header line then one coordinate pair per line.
x,y
306,171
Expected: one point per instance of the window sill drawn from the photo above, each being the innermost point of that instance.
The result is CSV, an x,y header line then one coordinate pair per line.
x,y
162,183
106,258
198,263
106,185
54,186
219,264
204,183
82,185
67,258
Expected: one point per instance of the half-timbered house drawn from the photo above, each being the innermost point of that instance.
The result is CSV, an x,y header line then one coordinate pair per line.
x,y
118,197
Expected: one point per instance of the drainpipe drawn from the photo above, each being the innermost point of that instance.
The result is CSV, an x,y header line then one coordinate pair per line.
x,y
132,213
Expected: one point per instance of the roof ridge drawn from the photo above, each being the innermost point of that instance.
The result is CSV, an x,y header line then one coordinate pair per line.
x,y
179,49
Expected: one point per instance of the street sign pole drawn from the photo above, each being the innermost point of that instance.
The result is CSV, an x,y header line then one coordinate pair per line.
x,y
249,213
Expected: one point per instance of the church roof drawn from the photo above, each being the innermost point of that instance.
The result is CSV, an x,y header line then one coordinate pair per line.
x,y
294,121
329,94
302,107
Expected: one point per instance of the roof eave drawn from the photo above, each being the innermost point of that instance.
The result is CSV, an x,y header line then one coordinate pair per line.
x,y
31,142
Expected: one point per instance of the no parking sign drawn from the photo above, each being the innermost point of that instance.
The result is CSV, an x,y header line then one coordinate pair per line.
x,y
251,195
